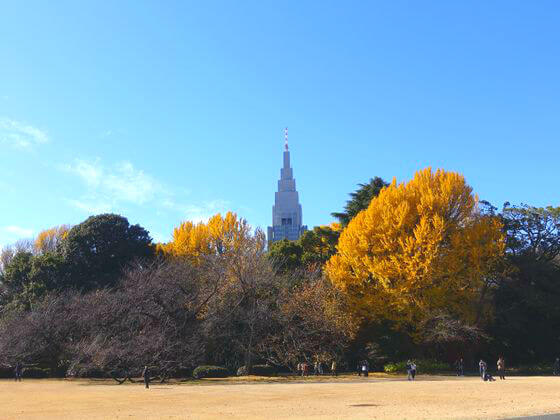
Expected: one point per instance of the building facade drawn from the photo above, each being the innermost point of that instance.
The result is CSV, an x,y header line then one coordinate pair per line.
x,y
287,220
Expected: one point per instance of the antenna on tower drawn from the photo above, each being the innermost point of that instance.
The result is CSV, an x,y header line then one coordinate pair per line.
x,y
286,138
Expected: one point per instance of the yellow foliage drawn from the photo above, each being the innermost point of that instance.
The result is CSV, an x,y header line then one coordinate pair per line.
x,y
48,239
418,248
221,235
335,226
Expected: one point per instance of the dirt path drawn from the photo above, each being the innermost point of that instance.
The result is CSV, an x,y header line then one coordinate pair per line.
x,y
346,398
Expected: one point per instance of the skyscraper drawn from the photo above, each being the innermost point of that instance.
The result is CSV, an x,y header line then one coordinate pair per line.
x,y
286,211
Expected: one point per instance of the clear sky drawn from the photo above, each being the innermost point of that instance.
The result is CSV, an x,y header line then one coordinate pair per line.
x,y
164,111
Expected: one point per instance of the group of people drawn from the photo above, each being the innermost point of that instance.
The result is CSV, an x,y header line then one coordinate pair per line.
x,y
318,368
362,368
410,370
486,376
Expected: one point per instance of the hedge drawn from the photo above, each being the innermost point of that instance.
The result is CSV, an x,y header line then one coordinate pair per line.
x,y
28,372
258,370
7,373
210,372
422,366
36,372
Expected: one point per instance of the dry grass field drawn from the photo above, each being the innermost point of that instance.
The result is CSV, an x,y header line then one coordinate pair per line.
x,y
376,397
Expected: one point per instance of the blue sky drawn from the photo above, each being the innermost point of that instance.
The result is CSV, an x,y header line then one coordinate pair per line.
x,y
168,111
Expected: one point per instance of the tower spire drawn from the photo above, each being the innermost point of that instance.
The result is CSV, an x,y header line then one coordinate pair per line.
x,y
286,139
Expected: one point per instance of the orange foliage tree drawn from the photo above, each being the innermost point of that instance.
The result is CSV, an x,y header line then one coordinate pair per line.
x,y
220,236
419,249
48,240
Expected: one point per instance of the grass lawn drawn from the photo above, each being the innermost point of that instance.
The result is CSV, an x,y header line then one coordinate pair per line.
x,y
346,397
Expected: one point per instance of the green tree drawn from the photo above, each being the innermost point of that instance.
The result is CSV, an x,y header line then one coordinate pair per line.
x,y
360,200
526,296
97,250
28,277
319,244
286,255
16,273
48,270
311,250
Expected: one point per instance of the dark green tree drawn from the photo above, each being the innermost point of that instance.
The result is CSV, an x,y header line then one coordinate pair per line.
x,y
286,255
48,270
28,277
318,245
96,250
360,200
16,274
527,315
311,250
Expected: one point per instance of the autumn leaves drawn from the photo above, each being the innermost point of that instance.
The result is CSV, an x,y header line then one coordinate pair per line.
x,y
420,247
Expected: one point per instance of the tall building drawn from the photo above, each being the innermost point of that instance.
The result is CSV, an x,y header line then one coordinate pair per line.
x,y
286,211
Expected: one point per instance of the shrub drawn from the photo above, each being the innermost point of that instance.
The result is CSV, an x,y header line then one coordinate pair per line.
x,y
535,369
258,370
88,373
28,372
7,373
36,372
394,367
422,366
210,372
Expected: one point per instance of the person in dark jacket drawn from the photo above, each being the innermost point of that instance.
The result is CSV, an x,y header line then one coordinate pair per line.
x,y
556,367
18,371
459,365
365,367
408,369
413,370
146,375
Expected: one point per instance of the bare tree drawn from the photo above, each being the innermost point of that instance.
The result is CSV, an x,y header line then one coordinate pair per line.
x,y
240,314
40,335
154,318
311,322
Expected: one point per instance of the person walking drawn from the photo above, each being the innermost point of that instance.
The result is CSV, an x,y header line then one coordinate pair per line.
x,y
501,365
408,370
305,371
333,368
413,370
459,365
320,368
146,375
18,371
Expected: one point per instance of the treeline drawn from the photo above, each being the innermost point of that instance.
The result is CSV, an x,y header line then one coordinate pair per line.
x,y
102,300
420,269
430,271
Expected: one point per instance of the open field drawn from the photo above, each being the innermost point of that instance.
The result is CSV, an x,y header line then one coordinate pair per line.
x,y
430,397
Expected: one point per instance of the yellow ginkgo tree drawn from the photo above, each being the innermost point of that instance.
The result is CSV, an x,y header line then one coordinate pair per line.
x,y
221,235
420,248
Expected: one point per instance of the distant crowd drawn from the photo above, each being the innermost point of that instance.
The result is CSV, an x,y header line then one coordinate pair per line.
x,y
362,369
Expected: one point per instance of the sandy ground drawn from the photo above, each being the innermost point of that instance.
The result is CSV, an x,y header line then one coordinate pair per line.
x,y
343,398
